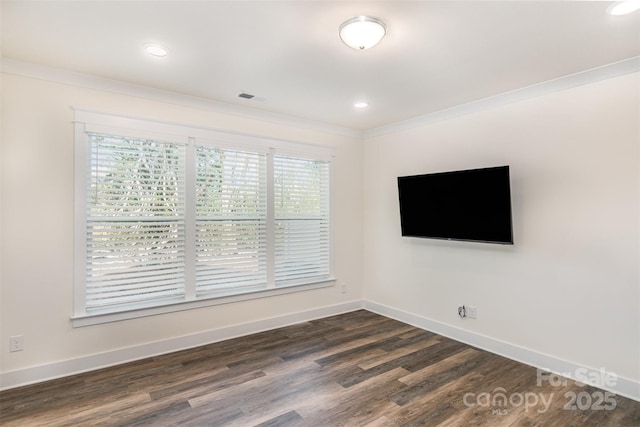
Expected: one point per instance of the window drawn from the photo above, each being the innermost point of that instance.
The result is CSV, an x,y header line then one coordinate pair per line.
x,y
135,221
301,219
170,217
231,221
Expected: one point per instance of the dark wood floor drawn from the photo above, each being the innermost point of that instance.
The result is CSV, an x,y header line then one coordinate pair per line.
x,y
355,369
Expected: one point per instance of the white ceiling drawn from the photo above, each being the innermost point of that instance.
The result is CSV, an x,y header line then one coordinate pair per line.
x,y
437,54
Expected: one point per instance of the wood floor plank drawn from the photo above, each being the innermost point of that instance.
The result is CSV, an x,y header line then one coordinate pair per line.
x,y
359,346
412,361
439,379
198,389
189,383
387,356
444,365
205,416
429,403
354,369
359,404
291,418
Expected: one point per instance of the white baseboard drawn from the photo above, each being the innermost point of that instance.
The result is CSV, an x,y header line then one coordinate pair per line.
x,y
623,386
92,362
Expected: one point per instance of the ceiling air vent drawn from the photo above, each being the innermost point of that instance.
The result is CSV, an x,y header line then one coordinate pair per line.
x,y
246,95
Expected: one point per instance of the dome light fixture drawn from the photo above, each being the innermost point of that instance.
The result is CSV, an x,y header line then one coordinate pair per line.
x,y
360,105
362,32
156,50
624,7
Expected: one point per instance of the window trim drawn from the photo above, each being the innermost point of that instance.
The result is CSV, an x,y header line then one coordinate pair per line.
x,y
91,121
181,305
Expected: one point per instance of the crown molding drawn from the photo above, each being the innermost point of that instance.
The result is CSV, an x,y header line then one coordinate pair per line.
x,y
41,72
581,78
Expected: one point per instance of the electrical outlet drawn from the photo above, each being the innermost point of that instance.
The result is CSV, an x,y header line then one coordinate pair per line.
x,y
462,311
343,288
16,343
472,312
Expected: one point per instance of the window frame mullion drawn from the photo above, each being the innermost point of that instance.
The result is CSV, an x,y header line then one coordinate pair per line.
x,y
271,226
190,220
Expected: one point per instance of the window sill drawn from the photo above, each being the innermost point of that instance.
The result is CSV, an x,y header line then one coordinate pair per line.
x,y
171,307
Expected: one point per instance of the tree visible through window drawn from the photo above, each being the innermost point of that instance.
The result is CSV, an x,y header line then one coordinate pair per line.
x,y
231,220
135,221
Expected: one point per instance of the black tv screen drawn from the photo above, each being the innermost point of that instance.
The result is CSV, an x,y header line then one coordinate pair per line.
x,y
472,205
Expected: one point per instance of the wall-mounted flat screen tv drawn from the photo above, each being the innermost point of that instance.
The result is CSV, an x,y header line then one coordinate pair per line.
x,y
471,205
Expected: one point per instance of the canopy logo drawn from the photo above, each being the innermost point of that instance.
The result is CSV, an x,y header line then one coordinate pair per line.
x,y
499,401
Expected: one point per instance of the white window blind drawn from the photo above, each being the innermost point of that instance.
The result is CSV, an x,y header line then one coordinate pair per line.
x,y
135,205
301,202
231,221
171,217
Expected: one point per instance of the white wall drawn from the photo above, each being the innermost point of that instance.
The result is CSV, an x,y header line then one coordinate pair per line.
x,y
569,287
37,230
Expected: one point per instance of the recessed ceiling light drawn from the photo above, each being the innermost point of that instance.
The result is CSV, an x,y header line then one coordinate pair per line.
x,y
362,32
156,50
624,7
360,105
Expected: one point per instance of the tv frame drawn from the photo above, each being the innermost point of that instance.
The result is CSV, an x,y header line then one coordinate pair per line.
x,y
509,241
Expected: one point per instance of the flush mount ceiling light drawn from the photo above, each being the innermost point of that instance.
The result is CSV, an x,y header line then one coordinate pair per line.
x,y
624,7
156,50
362,32
360,105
